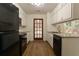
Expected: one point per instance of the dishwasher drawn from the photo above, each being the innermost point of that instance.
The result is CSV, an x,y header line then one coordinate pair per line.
x,y
57,45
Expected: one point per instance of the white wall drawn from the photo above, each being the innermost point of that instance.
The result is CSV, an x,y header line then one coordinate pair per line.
x,y
30,18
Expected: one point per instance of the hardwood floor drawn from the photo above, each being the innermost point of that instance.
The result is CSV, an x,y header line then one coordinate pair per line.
x,y
38,48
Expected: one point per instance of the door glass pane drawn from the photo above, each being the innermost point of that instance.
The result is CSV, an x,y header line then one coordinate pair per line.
x,y
36,32
40,32
40,25
40,36
40,21
36,29
40,29
35,36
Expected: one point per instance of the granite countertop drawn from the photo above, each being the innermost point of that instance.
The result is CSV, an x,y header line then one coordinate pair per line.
x,y
67,35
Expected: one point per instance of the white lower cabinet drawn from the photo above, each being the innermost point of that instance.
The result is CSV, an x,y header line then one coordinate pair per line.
x,y
70,46
64,45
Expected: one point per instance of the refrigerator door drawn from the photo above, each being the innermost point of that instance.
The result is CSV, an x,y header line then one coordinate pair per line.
x,y
9,17
7,39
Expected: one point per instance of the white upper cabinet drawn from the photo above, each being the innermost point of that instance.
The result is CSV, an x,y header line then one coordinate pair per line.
x,y
59,16
70,11
75,10
67,11
54,18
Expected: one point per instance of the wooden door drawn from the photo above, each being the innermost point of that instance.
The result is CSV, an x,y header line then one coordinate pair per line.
x,y
38,29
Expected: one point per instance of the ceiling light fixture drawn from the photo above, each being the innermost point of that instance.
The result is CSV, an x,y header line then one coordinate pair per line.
x,y
38,4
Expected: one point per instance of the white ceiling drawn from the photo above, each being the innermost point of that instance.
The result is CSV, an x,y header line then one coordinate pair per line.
x,y
30,9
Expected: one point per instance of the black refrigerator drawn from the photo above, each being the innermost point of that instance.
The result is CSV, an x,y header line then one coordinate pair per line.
x,y
9,26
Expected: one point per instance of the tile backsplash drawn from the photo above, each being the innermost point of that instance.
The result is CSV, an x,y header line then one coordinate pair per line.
x,y
69,27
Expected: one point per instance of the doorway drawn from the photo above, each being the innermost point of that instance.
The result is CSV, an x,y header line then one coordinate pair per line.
x,y
38,29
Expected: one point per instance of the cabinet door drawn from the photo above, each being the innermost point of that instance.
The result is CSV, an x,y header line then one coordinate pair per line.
x,y
59,16
55,18
70,47
66,12
75,10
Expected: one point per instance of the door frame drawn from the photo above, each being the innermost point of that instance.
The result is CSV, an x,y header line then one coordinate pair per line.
x,y
34,28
